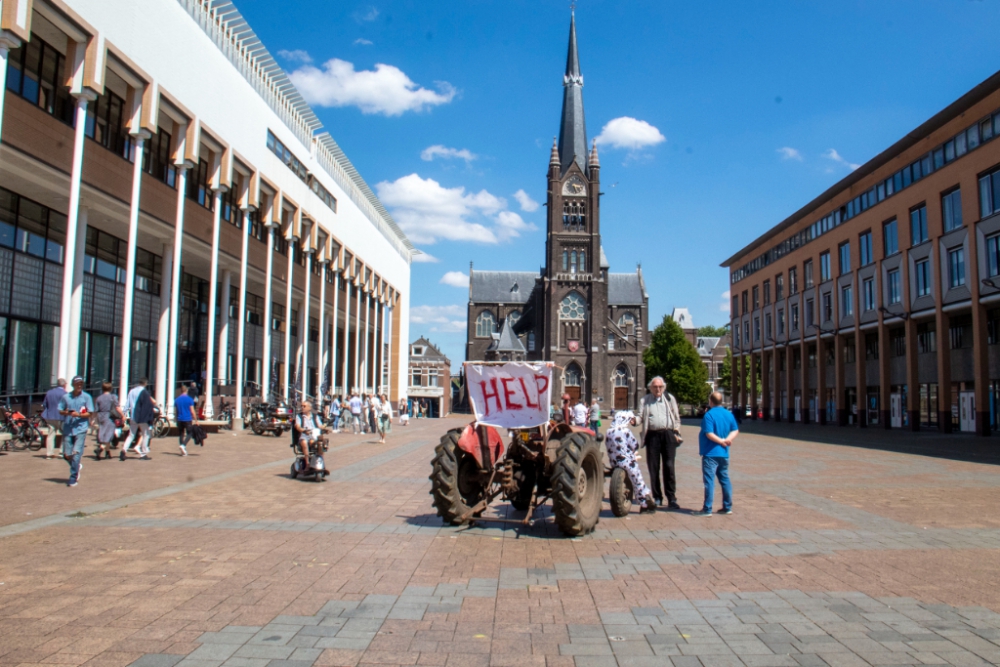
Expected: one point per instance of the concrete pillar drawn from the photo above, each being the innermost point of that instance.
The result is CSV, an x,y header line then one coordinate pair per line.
x,y
133,240
67,366
838,374
175,288
804,369
743,385
359,381
76,301
884,375
384,387
304,330
241,326
820,380
765,382
8,41
321,350
266,362
347,337
369,361
980,363
223,355
753,386
775,361
861,375
944,367
388,356
213,302
163,328
289,279
790,382
912,376
333,336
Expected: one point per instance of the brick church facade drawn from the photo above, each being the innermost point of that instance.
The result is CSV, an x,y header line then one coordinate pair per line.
x,y
574,312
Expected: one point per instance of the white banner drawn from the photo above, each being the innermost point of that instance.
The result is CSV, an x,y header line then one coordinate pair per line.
x,y
511,395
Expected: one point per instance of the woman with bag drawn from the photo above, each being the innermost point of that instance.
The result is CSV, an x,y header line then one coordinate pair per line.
x,y
109,418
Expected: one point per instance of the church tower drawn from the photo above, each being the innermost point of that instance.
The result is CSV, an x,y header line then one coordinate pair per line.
x,y
575,280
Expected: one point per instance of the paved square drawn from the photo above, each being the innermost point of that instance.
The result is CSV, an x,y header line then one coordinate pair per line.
x,y
839,553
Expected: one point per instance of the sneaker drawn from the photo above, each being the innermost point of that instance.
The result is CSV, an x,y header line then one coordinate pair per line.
x,y
729,511
184,452
673,506
702,513
145,458
70,483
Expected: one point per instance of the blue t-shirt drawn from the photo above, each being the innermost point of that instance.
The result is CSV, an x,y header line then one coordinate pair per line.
x,y
721,422
71,403
184,405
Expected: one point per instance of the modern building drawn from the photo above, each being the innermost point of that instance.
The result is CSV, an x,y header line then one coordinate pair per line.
x,y
711,349
574,311
430,380
170,208
878,303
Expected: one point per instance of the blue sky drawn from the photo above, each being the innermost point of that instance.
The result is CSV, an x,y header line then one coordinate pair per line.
x,y
735,115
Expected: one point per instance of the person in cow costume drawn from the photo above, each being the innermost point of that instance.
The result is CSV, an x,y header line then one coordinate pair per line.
x,y
622,446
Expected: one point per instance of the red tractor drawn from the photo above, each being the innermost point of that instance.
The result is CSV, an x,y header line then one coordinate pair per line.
x,y
473,466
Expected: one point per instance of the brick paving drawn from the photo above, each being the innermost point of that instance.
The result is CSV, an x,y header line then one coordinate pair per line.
x,y
842,552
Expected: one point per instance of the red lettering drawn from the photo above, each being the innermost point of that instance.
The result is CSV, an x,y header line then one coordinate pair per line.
x,y
542,388
487,396
527,396
507,393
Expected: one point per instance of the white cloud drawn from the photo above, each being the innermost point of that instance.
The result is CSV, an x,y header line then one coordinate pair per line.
x,y
789,153
724,306
526,203
424,258
385,90
727,294
428,211
366,15
832,154
361,41
440,318
295,55
627,132
455,279
437,150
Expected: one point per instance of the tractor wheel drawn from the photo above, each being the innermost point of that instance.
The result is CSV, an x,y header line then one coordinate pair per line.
x,y
577,484
620,492
456,482
525,477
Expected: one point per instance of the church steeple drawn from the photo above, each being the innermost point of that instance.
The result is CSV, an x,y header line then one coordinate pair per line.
x,y
572,129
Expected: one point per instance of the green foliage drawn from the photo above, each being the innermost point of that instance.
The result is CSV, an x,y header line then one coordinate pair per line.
x,y
725,379
709,331
671,355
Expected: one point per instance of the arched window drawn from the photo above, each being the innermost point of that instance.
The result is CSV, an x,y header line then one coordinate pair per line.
x,y
627,323
573,307
583,261
573,374
572,262
513,317
486,325
531,341
565,260
621,376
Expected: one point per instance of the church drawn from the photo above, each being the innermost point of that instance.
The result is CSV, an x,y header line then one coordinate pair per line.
x,y
574,312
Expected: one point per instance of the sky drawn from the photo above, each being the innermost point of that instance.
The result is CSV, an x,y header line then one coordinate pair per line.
x,y
714,120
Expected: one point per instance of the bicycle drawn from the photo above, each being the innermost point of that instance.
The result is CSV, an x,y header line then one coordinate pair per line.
x,y
225,414
40,426
23,433
161,426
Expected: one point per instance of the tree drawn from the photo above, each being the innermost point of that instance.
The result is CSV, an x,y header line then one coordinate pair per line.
x,y
671,355
725,379
709,331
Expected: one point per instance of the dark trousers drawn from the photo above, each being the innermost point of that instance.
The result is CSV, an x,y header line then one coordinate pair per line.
x,y
661,450
184,432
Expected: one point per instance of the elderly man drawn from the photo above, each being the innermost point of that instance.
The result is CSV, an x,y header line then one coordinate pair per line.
x,y
75,408
52,416
661,423
718,431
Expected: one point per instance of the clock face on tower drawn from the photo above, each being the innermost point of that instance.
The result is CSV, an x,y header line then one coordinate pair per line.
x,y
574,187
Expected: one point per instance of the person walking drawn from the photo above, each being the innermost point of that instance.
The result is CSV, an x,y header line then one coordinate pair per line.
x,y
580,414
52,417
376,418
622,446
135,429
386,414
107,412
594,415
404,413
355,405
184,408
75,408
718,431
661,423
335,414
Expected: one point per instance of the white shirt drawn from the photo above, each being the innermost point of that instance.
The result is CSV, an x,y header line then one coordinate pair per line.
x,y
133,396
579,415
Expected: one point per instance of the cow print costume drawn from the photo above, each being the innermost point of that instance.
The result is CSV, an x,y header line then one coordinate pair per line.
x,y
622,446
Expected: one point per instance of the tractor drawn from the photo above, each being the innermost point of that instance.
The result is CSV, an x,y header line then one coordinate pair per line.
x,y
473,466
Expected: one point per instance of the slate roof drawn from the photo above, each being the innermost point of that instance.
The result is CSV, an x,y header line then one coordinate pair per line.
x,y
624,289
573,128
683,317
706,344
431,351
506,340
501,286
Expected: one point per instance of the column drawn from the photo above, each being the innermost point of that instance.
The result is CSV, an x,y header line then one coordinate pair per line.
x,y
943,368
838,378
266,362
388,389
382,355
347,337
76,308
743,386
175,288
321,350
753,386
213,302
912,376
804,369
66,365
884,375
8,41
163,328
765,381
369,361
820,380
289,279
359,381
790,382
133,234
223,356
980,359
333,335
304,331
241,326
861,375
776,382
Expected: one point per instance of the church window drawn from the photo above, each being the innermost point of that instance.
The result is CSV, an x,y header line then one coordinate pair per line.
x,y
565,260
574,216
486,325
572,262
583,261
621,376
514,316
531,341
627,323
573,375
611,342
573,307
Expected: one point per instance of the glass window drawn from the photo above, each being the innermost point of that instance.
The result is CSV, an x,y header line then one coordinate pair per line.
x,y
795,317
922,269
627,323
865,249
993,255
807,268
827,307
793,281
890,236
956,267
846,300
895,295
824,264
781,321
22,355
926,337
573,375
486,325
951,210
918,225
779,287
531,341
573,307
611,342
756,328
844,252
869,294
810,313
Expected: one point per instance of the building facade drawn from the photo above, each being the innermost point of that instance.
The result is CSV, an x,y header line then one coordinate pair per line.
x,y
170,208
573,312
430,380
878,303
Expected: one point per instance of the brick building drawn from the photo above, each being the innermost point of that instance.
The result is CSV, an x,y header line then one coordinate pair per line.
x,y
430,379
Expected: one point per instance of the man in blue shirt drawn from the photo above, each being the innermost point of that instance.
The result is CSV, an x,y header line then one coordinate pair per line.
x,y
184,408
75,408
718,431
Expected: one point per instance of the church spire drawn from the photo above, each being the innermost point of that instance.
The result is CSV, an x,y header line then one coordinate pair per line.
x,y
572,129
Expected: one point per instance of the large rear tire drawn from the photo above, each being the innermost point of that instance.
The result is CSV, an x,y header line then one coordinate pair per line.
x,y
456,483
577,484
620,492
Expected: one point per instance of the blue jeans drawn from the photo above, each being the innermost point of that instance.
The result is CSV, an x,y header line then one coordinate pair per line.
x,y
712,467
73,448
